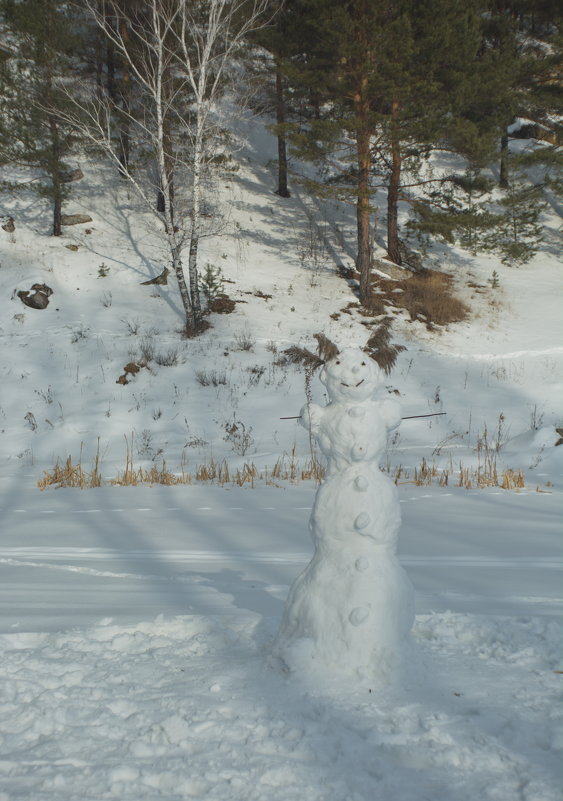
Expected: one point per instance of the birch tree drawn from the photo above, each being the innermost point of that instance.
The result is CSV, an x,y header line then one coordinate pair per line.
x,y
181,57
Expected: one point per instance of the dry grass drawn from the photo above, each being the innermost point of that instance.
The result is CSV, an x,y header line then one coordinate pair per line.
x,y
485,474
288,469
222,304
426,296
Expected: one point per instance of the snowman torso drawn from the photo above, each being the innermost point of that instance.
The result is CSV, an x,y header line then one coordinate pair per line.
x,y
350,432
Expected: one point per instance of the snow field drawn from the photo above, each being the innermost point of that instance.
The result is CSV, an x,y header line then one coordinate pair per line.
x,y
189,707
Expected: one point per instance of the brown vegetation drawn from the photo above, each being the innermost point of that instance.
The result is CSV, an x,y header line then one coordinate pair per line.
x,y
427,296
222,304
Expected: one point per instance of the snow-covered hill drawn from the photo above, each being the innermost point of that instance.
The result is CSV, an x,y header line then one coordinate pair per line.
x,y
137,622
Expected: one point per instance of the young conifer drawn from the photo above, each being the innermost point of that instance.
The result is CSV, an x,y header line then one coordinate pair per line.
x,y
31,131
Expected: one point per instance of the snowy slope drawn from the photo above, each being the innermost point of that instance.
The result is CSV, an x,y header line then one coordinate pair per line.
x,y
137,622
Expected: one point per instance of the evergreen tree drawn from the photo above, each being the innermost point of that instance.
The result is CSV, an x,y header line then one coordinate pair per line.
x,y
276,39
522,41
391,81
518,77
517,233
31,131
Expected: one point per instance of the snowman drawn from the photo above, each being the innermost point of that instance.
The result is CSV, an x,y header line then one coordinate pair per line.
x,y
352,607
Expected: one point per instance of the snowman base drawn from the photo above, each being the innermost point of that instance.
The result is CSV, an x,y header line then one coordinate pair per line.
x,y
348,614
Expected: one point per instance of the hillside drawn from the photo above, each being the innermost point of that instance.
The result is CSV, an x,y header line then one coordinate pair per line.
x,y
278,258
137,622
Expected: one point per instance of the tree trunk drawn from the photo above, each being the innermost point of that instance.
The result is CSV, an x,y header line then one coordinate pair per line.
x,y
363,258
165,197
196,222
393,251
110,72
98,57
184,293
166,172
55,175
282,190
503,176
125,92
57,215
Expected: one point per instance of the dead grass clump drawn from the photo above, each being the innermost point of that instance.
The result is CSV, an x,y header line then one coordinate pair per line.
x,y
513,479
427,296
133,477
288,468
65,475
222,304
73,475
191,333
374,305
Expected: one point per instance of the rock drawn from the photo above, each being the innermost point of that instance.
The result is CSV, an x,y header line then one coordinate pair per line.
x,y
131,367
527,129
40,297
75,219
9,226
71,175
410,257
74,248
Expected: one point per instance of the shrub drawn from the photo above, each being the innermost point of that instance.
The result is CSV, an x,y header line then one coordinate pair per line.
x,y
168,359
213,378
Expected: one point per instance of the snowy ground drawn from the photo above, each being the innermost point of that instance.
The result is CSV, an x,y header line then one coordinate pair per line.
x,y
136,623
135,656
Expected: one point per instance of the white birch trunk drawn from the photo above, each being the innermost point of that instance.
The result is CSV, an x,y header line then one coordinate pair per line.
x,y
195,43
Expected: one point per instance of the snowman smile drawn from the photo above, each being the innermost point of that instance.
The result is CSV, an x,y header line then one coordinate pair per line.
x,y
355,385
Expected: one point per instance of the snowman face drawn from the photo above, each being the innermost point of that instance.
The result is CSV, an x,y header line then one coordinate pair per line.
x,y
351,376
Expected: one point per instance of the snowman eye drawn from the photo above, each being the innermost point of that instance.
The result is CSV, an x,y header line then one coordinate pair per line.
x,y
338,361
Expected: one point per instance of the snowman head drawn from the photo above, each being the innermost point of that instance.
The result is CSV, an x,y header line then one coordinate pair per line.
x,y
351,376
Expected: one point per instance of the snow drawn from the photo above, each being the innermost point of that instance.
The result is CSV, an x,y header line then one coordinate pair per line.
x,y
136,656
353,606
137,623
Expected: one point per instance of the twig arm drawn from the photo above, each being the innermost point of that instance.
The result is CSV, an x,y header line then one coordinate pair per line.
x,y
411,417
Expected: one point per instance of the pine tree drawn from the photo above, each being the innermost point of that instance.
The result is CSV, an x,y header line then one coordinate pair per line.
x,y
517,233
275,40
523,41
391,82
31,131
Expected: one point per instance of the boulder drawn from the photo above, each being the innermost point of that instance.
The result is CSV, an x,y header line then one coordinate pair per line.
x,y
40,297
75,219
410,258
